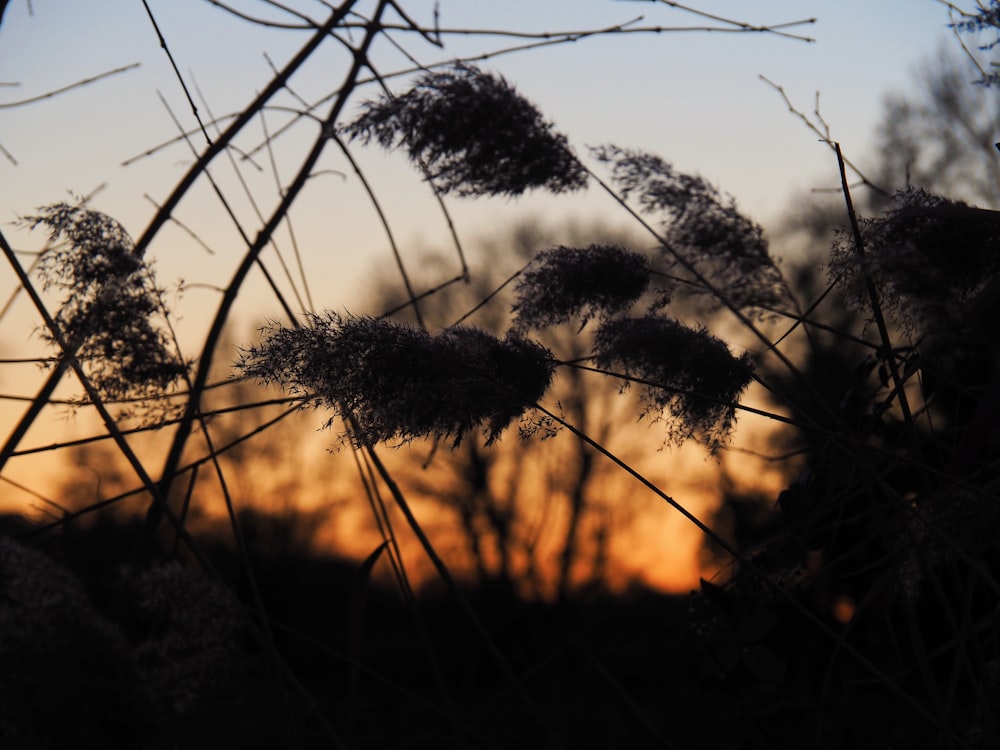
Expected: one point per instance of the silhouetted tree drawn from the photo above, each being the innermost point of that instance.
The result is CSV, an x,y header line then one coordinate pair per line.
x,y
940,134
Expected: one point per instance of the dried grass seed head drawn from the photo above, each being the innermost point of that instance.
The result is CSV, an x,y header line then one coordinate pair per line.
x,y
703,227
687,372
474,133
564,283
110,302
397,382
929,258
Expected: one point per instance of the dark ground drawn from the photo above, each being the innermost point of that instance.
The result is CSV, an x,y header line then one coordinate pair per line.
x,y
96,653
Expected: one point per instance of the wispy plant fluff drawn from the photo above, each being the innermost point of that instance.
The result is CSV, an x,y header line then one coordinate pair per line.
x,y
928,257
397,382
109,305
473,133
686,372
564,283
703,226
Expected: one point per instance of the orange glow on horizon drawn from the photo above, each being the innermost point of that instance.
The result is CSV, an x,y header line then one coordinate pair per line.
x,y
291,469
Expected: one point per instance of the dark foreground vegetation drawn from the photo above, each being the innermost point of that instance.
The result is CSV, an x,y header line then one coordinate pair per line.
x,y
163,656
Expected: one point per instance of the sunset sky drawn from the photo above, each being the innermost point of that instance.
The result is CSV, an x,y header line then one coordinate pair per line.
x,y
694,97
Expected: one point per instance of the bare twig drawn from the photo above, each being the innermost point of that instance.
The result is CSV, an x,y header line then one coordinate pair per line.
x,y
245,116
262,21
148,428
823,131
177,72
8,155
184,227
385,225
777,29
70,87
288,219
279,295
423,295
263,237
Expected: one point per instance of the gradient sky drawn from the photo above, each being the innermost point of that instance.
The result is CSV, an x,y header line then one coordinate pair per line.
x,y
694,98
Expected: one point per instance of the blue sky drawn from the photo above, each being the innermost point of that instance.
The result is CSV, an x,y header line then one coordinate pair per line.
x,y
695,98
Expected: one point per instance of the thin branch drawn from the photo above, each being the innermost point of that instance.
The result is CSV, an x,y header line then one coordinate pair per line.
x,y
781,457
310,23
232,214
823,133
624,28
577,364
740,25
288,219
83,402
8,155
263,237
70,87
876,307
483,302
184,227
544,40
800,318
148,428
34,493
423,295
153,150
385,225
260,217
245,116
193,465
261,21
177,72
431,37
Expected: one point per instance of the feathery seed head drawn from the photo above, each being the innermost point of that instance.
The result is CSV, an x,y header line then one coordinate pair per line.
x,y
396,382
473,133
703,228
687,372
929,259
562,283
110,302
